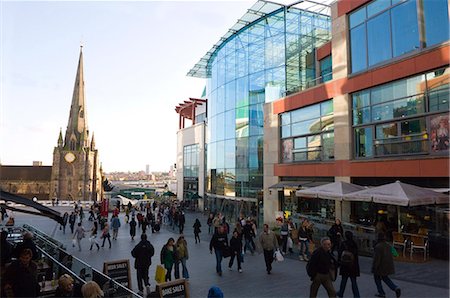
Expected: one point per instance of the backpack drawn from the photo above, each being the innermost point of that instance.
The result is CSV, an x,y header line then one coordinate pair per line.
x,y
347,257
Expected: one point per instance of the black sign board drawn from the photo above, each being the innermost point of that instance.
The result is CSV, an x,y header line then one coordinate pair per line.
x,y
119,271
174,289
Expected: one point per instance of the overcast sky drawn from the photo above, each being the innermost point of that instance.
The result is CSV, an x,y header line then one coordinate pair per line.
x,y
136,56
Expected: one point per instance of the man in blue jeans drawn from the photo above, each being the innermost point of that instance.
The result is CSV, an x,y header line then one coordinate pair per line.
x,y
383,266
219,242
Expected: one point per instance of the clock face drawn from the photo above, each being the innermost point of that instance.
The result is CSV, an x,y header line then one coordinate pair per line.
x,y
69,157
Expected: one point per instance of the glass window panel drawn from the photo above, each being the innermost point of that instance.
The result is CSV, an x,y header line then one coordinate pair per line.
x,y
326,108
212,154
220,71
299,156
361,116
379,39
212,129
377,6
285,118
220,101
242,92
242,62
439,100
286,150
230,154
383,111
364,142
386,131
436,21
255,152
274,51
300,143
230,70
438,79
410,127
361,99
328,145
230,182
306,127
230,124
256,90
256,56
382,93
327,122
220,128
405,31
326,69
242,153
409,106
275,84
358,47
256,119
357,17
220,154
285,131
309,112
314,141
242,122
230,93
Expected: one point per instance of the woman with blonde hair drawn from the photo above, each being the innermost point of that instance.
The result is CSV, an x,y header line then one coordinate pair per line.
x,y
183,255
91,290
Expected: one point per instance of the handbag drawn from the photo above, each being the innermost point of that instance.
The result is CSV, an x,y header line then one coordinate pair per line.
x,y
394,251
226,252
160,275
278,256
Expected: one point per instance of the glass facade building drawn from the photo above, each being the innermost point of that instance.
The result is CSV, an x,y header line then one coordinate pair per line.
x,y
265,60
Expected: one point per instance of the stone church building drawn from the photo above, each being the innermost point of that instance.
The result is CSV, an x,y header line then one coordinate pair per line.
x,y
76,173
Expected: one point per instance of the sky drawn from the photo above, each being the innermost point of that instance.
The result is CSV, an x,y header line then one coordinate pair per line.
x,y
136,56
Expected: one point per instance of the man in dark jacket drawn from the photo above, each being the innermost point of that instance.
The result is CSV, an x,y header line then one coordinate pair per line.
x,y
219,242
383,265
319,266
27,243
143,253
20,278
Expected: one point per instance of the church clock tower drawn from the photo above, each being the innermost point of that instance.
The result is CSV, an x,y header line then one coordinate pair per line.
x,y
76,174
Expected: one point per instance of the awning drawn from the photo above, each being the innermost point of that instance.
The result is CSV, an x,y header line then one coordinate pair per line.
x,y
297,184
41,210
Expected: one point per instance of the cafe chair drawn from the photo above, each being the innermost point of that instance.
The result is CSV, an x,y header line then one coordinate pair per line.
x,y
399,240
419,242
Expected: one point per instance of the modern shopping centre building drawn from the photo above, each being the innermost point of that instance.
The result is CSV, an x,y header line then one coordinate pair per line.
x,y
310,93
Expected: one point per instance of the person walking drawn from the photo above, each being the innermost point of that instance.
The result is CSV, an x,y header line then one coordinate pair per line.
x,y
79,234
219,242
183,256
197,230
181,221
93,236
210,223
236,250
72,219
64,222
335,233
248,236
318,268
106,235
284,233
133,228
143,253
383,266
303,239
169,257
349,264
115,225
269,243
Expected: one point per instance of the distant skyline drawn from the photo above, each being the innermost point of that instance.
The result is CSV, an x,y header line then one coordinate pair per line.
x,y
136,56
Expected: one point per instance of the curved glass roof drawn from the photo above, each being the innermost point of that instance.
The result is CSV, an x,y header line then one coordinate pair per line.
x,y
254,13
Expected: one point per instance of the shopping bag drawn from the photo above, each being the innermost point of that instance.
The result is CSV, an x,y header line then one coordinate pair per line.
x,y
160,275
290,243
74,242
278,256
394,252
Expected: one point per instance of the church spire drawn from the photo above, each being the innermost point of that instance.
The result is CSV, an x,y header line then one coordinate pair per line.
x,y
60,139
77,134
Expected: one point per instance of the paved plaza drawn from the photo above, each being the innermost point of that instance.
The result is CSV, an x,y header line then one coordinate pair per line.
x,y
288,278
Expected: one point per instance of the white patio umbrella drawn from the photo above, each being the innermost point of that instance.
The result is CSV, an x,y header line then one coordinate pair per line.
x,y
330,191
400,194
